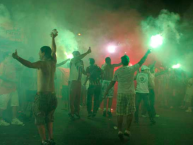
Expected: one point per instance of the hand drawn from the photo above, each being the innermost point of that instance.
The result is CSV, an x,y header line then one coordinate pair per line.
x,y
14,55
89,50
148,51
54,33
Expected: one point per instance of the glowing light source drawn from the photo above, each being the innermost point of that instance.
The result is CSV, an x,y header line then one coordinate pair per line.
x,y
111,48
156,41
69,56
176,66
79,34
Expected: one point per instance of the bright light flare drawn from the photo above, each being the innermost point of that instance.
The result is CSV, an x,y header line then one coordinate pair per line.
x,y
156,41
69,56
79,34
176,66
111,48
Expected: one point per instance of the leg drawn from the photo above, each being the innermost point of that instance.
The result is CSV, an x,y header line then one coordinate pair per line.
x,y
152,101
144,110
137,103
120,122
89,99
97,92
129,121
110,104
72,96
77,98
14,112
42,132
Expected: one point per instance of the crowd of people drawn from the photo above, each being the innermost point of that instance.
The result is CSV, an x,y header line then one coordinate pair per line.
x,y
169,85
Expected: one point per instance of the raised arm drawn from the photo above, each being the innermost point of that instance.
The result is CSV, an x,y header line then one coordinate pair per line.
x,y
53,35
144,57
26,63
62,63
82,55
117,65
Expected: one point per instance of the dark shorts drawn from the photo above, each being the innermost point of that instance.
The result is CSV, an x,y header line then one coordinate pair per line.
x,y
44,107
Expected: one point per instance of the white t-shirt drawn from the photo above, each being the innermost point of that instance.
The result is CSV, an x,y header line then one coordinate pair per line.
x,y
125,78
142,83
76,69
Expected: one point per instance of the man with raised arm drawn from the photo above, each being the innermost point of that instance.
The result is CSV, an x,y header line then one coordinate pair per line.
x,y
126,92
45,101
76,71
108,71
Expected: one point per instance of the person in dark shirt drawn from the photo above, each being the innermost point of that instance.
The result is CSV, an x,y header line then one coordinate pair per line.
x,y
94,76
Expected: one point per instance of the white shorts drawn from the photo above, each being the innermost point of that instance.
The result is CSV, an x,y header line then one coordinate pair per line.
x,y
105,85
5,98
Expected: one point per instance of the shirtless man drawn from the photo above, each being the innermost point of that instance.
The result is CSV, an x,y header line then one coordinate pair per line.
x,y
108,71
45,101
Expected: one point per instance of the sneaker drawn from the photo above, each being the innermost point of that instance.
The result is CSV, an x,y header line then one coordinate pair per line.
x,y
45,143
51,142
152,121
77,115
16,121
89,115
109,114
127,133
94,114
144,116
3,123
71,116
104,113
120,135
189,110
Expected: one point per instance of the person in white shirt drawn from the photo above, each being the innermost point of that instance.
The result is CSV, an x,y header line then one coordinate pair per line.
x,y
76,70
142,92
126,92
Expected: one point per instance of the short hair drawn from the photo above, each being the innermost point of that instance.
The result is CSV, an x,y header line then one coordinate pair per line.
x,y
107,59
125,60
92,61
76,53
47,51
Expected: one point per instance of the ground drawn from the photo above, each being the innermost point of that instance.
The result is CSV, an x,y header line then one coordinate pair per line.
x,y
174,127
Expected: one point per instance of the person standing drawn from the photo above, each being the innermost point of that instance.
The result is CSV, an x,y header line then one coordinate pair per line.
x,y
76,71
94,76
108,71
126,92
45,101
142,92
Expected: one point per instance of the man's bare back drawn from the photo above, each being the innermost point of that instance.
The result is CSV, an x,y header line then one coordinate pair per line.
x,y
45,76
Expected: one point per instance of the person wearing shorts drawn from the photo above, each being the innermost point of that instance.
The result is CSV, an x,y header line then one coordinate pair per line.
x,y
108,71
126,92
8,92
44,107
45,101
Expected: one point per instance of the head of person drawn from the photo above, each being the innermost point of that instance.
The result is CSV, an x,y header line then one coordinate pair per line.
x,y
125,60
91,61
108,60
145,69
45,53
75,54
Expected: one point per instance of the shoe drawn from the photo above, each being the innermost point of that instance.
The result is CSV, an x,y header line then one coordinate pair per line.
x,y
77,115
3,123
109,114
152,121
189,110
71,116
45,143
93,115
120,135
104,113
51,142
16,121
144,116
89,115
157,116
127,133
